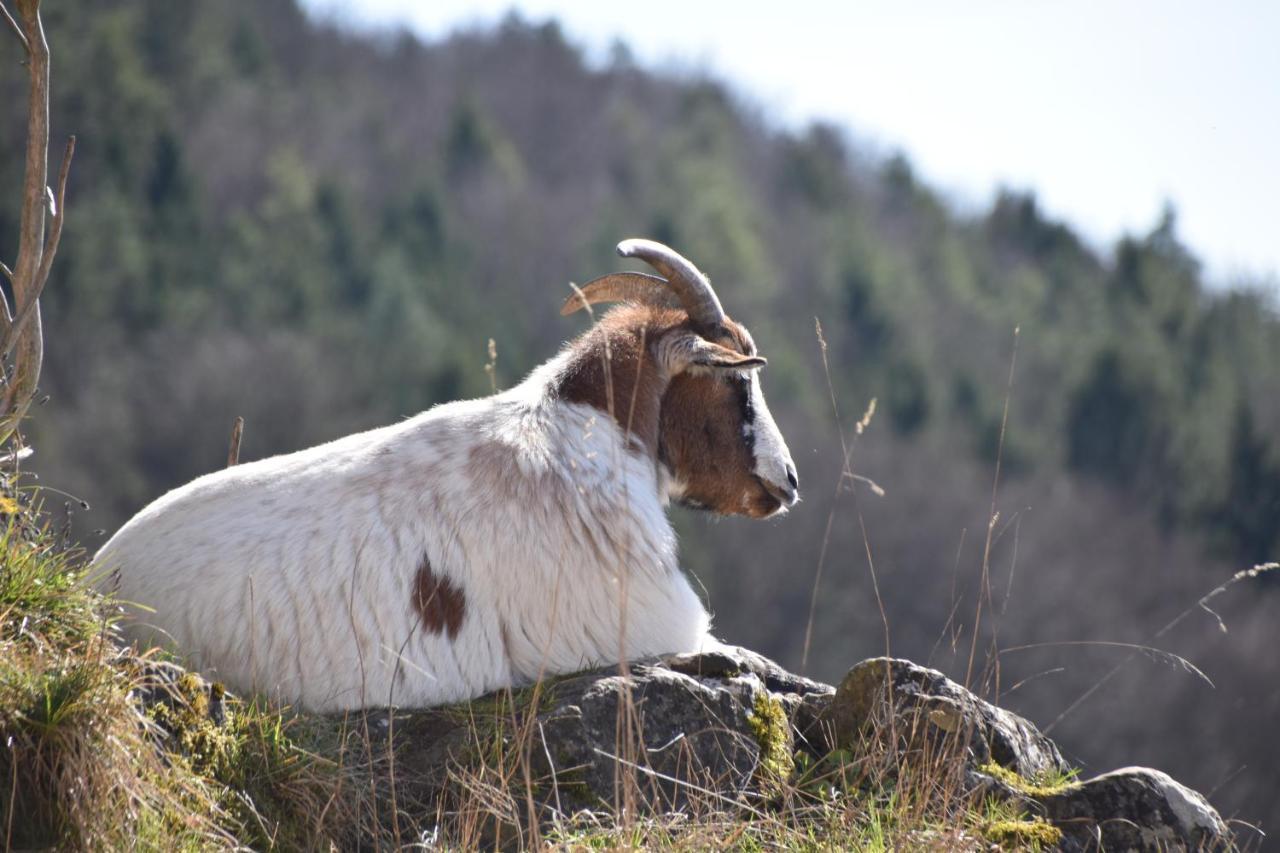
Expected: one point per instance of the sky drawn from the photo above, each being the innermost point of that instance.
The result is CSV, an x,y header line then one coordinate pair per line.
x,y
1106,110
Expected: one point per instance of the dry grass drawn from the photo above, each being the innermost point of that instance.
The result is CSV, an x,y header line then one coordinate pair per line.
x,y
886,792
77,758
84,766
86,769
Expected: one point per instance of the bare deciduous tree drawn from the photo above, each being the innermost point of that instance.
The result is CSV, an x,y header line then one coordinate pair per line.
x,y
21,339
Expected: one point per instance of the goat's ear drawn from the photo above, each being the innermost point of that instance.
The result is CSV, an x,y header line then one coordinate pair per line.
x,y
688,350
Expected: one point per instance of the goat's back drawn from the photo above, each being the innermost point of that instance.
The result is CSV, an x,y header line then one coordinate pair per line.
x,y
473,546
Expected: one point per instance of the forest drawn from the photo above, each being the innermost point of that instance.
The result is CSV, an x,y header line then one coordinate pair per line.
x,y
1014,446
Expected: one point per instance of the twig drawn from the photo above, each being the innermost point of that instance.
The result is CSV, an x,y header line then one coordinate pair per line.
x,y
17,30
6,314
233,452
826,539
1246,574
57,210
992,519
491,366
1159,654
46,261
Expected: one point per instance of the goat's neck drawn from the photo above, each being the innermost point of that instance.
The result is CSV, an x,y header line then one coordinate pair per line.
x,y
612,368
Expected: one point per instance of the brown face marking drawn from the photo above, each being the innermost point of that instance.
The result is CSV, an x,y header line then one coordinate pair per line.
x,y
637,381
703,435
693,422
705,446
440,604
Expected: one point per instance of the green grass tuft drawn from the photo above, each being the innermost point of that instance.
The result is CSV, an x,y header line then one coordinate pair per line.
x,y
85,767
81,768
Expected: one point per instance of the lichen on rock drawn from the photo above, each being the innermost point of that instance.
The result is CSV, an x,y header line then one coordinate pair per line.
x,y
772,731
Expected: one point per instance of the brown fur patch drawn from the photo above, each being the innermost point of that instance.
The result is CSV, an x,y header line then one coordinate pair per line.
x,y
694,422
704,446
703,435
613,369
440,604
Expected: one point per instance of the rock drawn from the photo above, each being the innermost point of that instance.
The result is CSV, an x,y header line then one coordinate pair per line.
x,y
174,698
728,726
926,703
1006,756
717,723
731,660
683,732
1135,808
803,700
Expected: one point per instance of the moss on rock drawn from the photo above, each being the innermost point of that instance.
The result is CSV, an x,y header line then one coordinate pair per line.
x,y
1043,787
209,747
772,731
1030,833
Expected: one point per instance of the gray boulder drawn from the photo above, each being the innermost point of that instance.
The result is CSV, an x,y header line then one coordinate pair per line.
x,y
925,705
717,725
1135,808
1002,754
731,727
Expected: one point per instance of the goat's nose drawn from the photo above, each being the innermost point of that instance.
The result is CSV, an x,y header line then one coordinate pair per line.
x,y
793,486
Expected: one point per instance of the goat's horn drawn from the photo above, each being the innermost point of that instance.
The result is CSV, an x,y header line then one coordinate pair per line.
x,y
623,287
693,288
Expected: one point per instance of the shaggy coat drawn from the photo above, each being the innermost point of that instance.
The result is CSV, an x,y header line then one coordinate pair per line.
x,y
481,544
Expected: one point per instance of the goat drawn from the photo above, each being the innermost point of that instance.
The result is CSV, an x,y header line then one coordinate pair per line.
x,y
482,543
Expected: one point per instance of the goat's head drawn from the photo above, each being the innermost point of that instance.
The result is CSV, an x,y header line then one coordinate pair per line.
x,y
713,431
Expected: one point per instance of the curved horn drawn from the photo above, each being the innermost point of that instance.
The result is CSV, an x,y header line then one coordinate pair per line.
x,y
693,288
623,287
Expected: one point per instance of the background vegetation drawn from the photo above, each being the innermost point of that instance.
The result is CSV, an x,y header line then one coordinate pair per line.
x,y
321,231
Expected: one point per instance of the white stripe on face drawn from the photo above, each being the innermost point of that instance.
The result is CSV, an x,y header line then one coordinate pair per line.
x,y
773,459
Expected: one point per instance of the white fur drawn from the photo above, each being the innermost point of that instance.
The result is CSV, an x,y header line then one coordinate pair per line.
x,y
773,459
294,575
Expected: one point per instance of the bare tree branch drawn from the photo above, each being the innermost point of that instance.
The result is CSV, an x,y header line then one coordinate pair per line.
x,y
17,30
8,273
58,206
25,335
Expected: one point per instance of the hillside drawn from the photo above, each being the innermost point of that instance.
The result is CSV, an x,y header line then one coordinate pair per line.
x,y
322,231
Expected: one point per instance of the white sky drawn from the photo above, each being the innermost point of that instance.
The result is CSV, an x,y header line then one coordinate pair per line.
x,y
1105,109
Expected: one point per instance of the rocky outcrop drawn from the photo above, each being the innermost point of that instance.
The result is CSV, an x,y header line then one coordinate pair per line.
x,y
1136,808
735,727
1004,755
925,703
655,734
